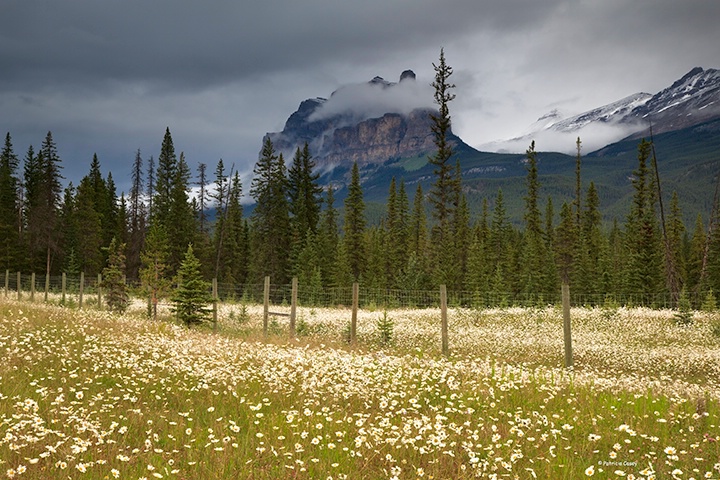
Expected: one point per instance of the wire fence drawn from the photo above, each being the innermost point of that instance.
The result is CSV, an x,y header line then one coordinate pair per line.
x,y
81,288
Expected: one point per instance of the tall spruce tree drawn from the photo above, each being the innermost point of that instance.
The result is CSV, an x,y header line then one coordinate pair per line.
x,y
116,291
354,227
533,246
328,239
137,217
444,194
644,275
270,219
192,295
9,207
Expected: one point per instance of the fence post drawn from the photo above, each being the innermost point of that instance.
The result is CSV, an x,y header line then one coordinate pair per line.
x,y
266,305
64,286
32,287
566,325
355,305
47,285
7,282
215,303
293,306
82,287
444,320
19,287
99,289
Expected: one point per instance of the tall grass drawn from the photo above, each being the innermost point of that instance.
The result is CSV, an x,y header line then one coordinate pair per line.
x,y
84,394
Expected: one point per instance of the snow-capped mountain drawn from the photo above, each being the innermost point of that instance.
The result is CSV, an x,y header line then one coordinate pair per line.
x,y
692,100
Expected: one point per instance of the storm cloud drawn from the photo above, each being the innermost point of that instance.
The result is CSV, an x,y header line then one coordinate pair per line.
x,y
109,77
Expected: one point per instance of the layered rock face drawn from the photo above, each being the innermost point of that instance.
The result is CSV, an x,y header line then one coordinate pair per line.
x,y
348,127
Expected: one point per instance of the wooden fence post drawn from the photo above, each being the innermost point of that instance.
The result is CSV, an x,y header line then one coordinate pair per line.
x,y
99,290
355,306
266,305
47,286
64,286
19,286
215,303
32,287
566,325
82,287
7,282
444,320
293,306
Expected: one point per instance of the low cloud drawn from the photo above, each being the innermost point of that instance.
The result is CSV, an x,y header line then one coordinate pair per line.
x,y
593,137
376,98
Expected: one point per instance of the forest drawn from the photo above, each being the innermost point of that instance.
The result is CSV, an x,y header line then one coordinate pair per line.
x,y
425,238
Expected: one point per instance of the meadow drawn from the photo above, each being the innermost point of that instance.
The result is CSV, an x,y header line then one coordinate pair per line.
x,y
88,394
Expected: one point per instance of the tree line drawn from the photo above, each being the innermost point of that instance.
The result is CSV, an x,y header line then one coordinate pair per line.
x,y
296,230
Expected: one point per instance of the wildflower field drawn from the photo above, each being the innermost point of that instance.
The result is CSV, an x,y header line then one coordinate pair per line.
x,y
88,394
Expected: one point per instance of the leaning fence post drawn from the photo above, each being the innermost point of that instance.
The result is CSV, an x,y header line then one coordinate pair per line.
x,y
444,320
266,305
215,303
355,305
566,325
19,288
32,287
293,305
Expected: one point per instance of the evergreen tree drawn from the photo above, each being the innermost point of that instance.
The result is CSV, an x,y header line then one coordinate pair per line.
x,y
328,238
71,237
180,223
444,194
9,207
675,264
418,226
89,226
153,273
354,228
136,219
565,243
42,204
304,201
116,293
192,296
235,258
499,249
592,248
270,219
645,266
162,185
695,256
533,247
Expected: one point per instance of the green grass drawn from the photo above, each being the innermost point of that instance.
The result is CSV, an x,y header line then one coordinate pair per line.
x,y
84,394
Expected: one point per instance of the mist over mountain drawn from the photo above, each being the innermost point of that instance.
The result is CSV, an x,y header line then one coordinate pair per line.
x,y
369,123
693,99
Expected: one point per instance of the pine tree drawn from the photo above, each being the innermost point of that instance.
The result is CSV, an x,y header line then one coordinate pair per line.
x,y
328,239
153,273
533,247
114,286
42,204
180,222
304,196
163,178
645,266
676,263
89,226
9,207
565,243
695,256
270,219
354,228
192,296
444,194
136,219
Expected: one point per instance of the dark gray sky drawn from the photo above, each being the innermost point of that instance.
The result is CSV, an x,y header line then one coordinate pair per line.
x,y
109,76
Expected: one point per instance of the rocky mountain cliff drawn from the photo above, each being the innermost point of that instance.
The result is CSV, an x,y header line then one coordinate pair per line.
x,y
370,123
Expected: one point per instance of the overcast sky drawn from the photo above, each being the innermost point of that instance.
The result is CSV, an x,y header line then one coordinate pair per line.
x,y
109,76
